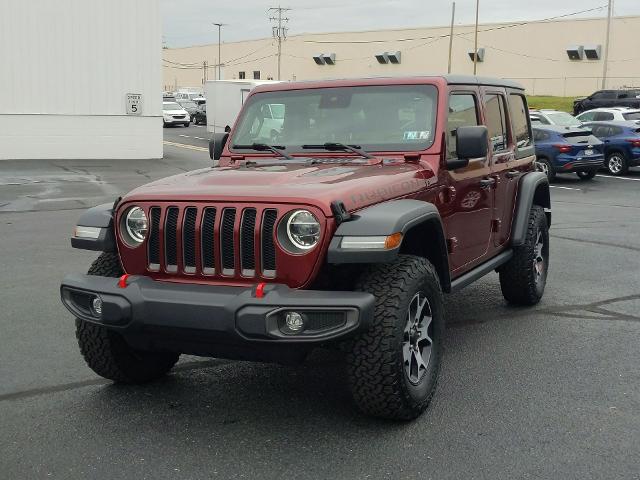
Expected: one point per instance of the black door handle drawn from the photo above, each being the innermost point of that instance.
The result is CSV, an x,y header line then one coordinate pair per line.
x,y
487,182
512,173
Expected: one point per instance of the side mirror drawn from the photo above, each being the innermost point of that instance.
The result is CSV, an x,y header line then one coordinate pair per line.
x,y
216,145
471,142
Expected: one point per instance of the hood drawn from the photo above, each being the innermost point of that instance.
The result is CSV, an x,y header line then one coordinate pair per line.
x,y
181,111
356,184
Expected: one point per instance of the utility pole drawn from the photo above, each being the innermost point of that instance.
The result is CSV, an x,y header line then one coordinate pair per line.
x,y
605,56
475,43
219,62
453,16
204,72
279,32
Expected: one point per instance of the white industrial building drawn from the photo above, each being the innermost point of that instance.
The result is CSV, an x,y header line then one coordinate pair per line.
x,y
80,79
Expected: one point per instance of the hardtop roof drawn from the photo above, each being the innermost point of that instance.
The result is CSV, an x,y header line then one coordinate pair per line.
x,y
387,80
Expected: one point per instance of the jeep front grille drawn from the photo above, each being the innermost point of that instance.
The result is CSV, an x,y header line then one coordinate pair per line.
x,y
212,241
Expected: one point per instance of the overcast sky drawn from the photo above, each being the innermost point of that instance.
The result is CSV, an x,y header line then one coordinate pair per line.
x,y
188,22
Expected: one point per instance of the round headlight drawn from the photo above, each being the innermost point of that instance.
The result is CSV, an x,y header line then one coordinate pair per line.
x,y
136,225
303,229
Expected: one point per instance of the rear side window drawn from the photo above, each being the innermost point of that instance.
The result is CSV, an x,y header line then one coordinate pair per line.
x,y
463,112
496,119
631,116
520,123
603,116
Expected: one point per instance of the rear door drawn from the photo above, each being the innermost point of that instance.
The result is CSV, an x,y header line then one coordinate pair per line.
x,y
502,154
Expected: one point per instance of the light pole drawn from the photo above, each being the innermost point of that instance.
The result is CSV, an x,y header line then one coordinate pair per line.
x,y
605,57
219,62
475,43
453,16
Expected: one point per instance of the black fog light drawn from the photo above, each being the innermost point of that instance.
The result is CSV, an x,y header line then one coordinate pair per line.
x,y
96,306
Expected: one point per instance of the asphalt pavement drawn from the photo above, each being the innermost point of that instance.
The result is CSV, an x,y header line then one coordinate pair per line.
x,y
546,392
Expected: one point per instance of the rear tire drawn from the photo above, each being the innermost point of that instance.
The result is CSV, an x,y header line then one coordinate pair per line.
x,y
545,166
617,164
393,367
107,353
586,174
523,278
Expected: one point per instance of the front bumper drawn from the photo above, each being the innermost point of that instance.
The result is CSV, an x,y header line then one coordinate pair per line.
x,y
199,319
171,120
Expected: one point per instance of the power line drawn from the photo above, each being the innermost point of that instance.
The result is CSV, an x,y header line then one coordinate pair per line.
x,y
279,31
500,27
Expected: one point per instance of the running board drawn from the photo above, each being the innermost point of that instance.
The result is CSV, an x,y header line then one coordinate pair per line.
x,y
480,271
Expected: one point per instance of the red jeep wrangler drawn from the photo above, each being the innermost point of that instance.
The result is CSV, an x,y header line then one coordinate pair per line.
x,y
338,221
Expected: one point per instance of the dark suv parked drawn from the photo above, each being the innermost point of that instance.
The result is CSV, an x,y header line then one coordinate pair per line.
x,y
564,150
375,197
608,98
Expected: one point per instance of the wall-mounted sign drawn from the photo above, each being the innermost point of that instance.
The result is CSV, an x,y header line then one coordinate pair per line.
x,y
134,104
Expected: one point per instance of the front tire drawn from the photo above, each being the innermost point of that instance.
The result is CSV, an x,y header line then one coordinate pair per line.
x,y
393,367
523,278
617,164
107,353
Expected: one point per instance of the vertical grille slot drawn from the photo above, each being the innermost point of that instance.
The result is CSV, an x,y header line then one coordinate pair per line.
x,y
227,243
154,239
170,240
207,241
189,239
268,248
247,242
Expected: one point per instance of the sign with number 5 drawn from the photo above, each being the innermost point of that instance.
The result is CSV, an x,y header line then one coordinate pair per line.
x,y
134,104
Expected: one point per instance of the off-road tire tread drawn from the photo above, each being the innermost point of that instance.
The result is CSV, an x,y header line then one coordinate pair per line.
x,y
107,353
377,384
516,278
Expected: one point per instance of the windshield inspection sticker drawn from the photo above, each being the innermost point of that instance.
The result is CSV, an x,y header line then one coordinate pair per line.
x,y
417,135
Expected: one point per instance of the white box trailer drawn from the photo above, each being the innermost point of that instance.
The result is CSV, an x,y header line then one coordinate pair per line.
x,y
225,99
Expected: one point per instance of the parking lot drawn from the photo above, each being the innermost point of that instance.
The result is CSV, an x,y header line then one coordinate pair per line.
x,y
547,392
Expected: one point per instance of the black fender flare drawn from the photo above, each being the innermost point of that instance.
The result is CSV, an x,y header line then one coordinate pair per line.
x,y
101,217
385,219
532,189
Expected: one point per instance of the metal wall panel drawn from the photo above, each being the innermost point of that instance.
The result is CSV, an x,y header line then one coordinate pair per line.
x,y
79,59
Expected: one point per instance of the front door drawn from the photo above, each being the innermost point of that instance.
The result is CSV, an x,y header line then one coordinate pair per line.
x,y
469,199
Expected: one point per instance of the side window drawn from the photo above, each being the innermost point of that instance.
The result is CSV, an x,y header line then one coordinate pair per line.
x,y
496,120
604,95
603,116
587,116
521,127
615,131
463,111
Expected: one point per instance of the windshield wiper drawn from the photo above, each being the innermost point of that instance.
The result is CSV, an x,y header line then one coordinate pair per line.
x,y
263,147
339,147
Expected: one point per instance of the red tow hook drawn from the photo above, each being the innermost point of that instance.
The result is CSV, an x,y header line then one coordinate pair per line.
x,y
260,290
122,282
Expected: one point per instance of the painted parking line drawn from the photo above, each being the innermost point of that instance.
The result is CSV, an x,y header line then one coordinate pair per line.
x,y
619,178
565,188
184,145
185,136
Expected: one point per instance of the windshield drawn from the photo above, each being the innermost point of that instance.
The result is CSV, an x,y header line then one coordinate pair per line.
x,y
376,118
564,119
631,115
171,106
189,104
